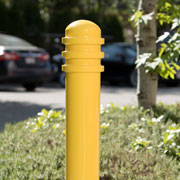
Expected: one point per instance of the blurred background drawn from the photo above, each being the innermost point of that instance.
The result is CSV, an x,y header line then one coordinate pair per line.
x,y
42,22
37,60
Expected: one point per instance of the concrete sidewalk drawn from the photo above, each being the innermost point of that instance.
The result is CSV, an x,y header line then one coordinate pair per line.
x,y
18,105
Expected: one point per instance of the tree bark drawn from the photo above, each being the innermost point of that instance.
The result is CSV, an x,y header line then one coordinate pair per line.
x,y
146,43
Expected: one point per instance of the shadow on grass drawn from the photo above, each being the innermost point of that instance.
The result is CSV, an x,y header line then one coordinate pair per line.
x,y
12,112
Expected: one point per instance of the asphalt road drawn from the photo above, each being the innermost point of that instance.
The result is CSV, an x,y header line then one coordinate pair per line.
x,y
17,105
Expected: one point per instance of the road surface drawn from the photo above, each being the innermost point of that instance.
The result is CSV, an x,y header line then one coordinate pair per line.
x,y
16,104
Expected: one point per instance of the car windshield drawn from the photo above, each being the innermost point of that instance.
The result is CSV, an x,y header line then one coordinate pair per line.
x,y
7,40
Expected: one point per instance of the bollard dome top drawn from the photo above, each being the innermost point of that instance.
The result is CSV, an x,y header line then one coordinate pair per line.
x,y
83,41
83,32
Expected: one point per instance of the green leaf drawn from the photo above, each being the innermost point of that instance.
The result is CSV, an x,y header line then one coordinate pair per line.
x,y
147,17
164,18
165,138
176,23
162,49
154,64
45,112
163,37
171,75
161,22
174,37
176,66
167,5
177,45
136,17
162,66
142,59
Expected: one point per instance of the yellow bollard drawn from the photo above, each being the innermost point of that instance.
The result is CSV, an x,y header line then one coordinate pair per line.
x,y
83,66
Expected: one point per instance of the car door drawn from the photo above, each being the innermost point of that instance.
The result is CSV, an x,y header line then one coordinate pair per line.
x,y
114,62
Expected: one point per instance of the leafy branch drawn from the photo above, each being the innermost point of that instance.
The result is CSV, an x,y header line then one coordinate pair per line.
x,y
139,17
166,63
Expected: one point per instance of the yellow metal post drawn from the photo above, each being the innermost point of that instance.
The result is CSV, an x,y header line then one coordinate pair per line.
x,y
83,66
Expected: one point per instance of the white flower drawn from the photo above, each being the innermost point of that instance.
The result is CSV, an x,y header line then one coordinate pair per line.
x,y
50,113
157,119
45,120
161,144
108,105
170,137
173,131
150,147
141,130
134,126
40,114
143,119
105,124
123,108
101,109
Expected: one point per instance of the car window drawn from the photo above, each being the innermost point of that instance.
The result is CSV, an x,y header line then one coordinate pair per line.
x,y
7,40
130,55
130,52
112,53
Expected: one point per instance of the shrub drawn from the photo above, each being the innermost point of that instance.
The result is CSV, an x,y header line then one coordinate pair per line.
x,y
135,144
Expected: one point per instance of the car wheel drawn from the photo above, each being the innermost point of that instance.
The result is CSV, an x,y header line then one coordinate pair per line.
x,y
30,86
62,79
133,78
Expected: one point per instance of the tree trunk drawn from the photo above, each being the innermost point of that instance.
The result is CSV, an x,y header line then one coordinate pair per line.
x,y
146,43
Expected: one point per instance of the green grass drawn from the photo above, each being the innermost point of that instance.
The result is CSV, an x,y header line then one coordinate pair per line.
x,y
135,145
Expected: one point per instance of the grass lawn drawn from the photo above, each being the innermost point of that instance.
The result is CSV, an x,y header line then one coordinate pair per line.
x,y
136,144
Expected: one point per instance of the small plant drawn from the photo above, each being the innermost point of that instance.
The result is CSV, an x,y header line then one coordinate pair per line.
x,y
171,141
140,143
104,126
134,144
45,119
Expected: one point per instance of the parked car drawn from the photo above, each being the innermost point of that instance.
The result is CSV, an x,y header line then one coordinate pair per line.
x,y
22,62
59,75
119,62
